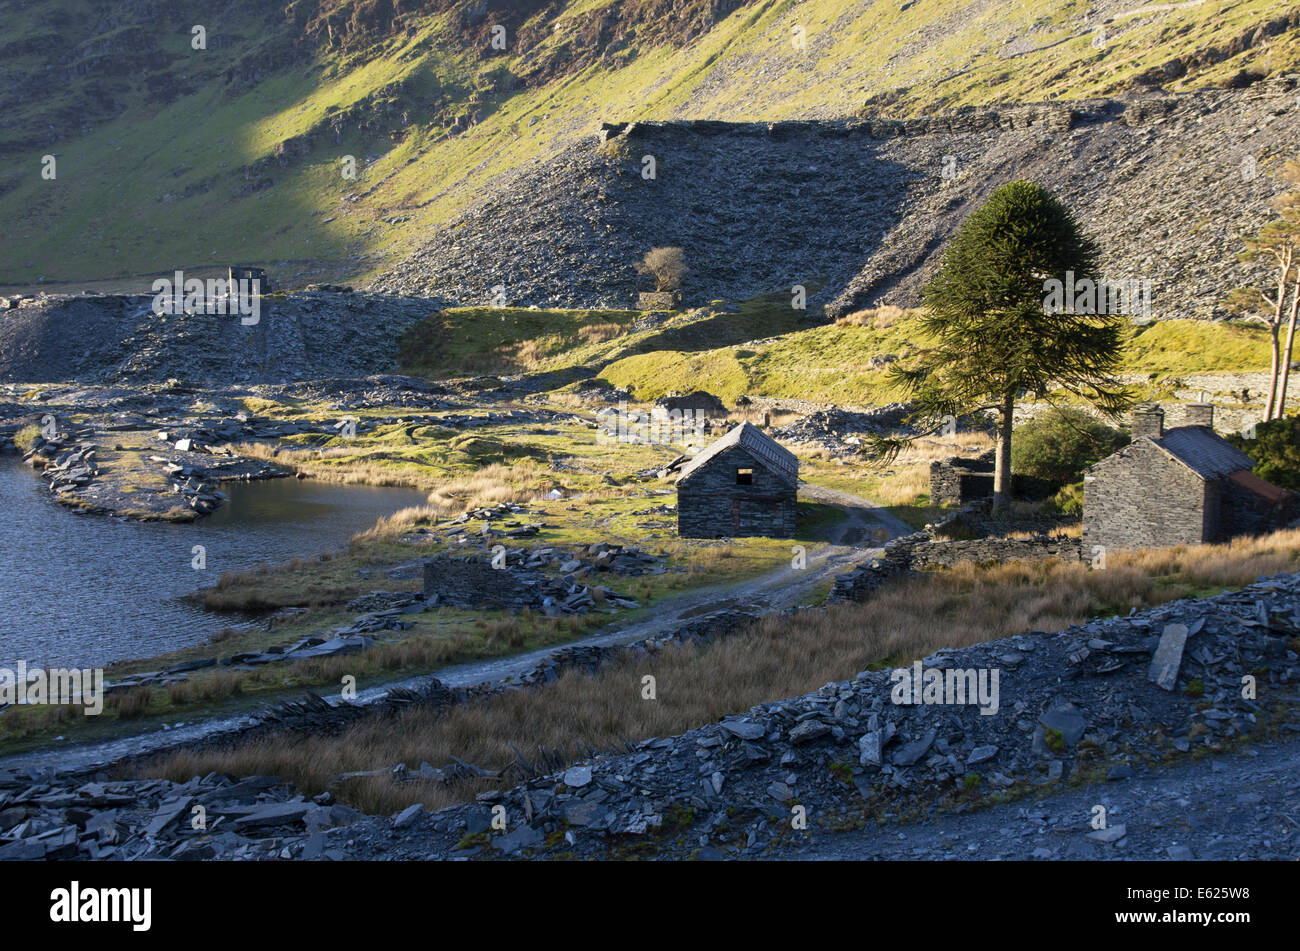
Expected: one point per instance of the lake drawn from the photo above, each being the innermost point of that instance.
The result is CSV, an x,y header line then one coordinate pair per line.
x,y
86,590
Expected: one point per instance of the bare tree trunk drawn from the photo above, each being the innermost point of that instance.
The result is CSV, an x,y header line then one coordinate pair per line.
x,y
1284,257
1288,350
1273,330
1002,468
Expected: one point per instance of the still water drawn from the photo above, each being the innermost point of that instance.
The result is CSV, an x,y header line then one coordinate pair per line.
x,y
85,590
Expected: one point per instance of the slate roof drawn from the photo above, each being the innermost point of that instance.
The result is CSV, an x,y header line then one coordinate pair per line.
x,y
1254,484
754,441
1204,452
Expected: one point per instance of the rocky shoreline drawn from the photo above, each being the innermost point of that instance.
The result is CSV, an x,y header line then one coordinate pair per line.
x,y
161,451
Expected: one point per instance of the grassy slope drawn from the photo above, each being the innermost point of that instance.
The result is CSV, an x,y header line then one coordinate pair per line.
x,y
106,215
830,363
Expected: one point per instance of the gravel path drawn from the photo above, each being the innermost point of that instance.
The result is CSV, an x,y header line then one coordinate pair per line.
x,y
1242,805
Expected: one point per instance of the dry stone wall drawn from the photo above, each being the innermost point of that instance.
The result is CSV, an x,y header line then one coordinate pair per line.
x,y
922,550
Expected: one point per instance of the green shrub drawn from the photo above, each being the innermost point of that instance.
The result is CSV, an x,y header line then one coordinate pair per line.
x,y
1276,451
1055,740
1068,500
1057,446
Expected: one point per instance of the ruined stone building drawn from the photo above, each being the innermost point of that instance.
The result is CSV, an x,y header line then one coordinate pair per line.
x,y
698,402
743,484
237,272
956,480
1180,486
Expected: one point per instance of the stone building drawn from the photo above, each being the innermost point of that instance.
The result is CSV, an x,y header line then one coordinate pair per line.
x,y
658,300
237,272
743,484
1180,486
957,480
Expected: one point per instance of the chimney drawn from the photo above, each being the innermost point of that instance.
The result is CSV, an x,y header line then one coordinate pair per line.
x,y
1148,420
1199,414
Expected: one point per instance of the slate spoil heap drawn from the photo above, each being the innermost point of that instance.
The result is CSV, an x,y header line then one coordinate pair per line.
x,y
1093,698
838,430
571,228
1098,698
119,339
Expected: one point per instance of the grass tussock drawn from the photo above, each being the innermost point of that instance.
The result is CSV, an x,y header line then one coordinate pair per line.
x,y
877,318
495,484
332,465
599,333
524,481
26,438
777,657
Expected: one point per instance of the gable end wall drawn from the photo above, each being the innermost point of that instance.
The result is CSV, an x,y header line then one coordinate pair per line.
x,y
1142,498
711,505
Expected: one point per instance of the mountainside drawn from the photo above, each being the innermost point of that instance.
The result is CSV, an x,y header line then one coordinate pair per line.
x,y
857,210
235,151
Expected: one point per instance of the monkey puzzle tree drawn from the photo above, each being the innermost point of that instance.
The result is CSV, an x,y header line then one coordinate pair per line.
x,y
992,334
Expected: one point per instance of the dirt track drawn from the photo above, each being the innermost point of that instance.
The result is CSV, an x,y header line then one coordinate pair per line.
x,y
786,587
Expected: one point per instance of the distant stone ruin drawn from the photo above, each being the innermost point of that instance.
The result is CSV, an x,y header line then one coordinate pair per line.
x,y
697,402
658,300
956,481
470,583
240,273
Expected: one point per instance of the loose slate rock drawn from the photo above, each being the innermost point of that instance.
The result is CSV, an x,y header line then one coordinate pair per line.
x,y
1067,721
779,791
167,814
520,838
744,729
1168,656
1112,834
913,751
275,814
577,776
808,731
869,748
408,816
